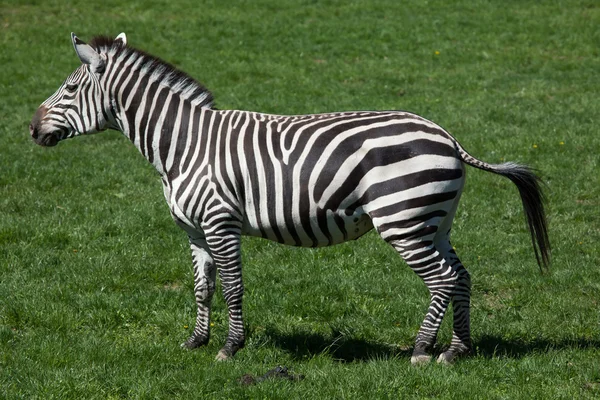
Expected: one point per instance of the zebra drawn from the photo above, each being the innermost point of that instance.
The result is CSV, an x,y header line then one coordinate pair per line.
x,y
304,180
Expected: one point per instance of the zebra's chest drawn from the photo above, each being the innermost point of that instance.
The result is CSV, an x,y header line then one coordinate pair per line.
x,y
187,200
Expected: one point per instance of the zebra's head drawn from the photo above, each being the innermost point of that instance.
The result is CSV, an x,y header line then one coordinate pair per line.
x,y
79,106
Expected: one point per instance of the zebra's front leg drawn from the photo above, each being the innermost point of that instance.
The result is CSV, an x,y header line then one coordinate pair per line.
x,y
225,247
204,288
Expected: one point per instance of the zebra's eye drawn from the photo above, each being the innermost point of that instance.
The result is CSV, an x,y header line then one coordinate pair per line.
x,y
71,87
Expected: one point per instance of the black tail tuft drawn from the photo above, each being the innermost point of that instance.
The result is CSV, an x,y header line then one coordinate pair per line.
x,y
532,197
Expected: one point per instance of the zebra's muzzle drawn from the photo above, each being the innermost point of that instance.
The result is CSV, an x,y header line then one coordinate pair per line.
x,y
43,139
46,140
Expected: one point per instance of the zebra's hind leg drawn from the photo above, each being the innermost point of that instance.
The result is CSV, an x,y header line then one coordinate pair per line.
x,y
204,288
225,247
461,305
440,278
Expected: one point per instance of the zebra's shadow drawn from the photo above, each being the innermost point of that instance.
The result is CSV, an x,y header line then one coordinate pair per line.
x,y
494,346
342,348
338,346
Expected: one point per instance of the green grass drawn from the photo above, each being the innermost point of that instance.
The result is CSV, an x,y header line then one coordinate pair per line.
x,y
96,280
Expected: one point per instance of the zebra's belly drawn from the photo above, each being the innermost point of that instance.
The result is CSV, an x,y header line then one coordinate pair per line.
x,y
326,229
356,225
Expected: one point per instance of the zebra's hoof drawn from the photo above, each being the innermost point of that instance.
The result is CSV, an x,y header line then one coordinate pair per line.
x,y
420,359
194,342
222,356
229,350
452,354
446,358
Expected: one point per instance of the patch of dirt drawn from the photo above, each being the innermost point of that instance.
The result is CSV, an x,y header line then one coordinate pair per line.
x,y
278,372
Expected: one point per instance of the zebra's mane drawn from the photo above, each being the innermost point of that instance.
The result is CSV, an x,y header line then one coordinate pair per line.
x,y
180,81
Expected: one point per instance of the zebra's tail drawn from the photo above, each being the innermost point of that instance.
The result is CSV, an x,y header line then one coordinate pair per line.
x,y
532,197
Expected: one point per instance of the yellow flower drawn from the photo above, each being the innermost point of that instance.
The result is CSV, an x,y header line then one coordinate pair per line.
x,y
437,53
185,327
561,143
535,146
212,324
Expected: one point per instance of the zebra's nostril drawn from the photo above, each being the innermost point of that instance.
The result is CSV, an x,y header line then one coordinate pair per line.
x,y
33,131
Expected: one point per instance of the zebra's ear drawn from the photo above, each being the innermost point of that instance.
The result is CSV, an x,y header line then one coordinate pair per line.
x,y
88,55
121,38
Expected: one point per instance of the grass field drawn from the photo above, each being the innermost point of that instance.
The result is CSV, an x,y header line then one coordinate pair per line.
x,y
96,281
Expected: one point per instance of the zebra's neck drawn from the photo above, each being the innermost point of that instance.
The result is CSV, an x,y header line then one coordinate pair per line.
x,y
152,103
162,125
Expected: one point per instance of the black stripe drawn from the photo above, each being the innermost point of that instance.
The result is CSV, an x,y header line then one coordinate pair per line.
x,y
223,153
195,135
420,255
428,230
417,202
167,133
271,185
150,131
253,181
409,223
339,221
181,140
201,190
144,125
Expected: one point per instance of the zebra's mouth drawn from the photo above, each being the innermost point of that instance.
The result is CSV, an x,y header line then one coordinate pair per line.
x,y
50,140
46,139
